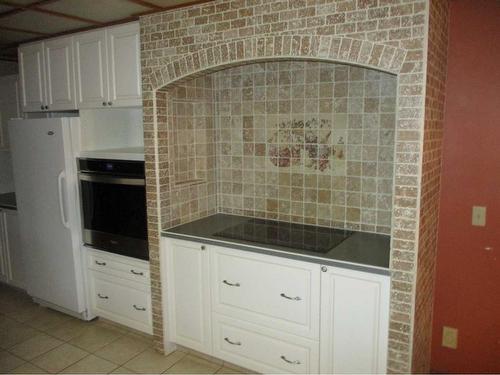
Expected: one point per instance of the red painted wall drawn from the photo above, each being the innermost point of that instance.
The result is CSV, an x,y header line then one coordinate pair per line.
x,y
467,294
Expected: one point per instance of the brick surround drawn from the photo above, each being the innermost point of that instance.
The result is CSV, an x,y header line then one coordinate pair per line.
x,y
387,35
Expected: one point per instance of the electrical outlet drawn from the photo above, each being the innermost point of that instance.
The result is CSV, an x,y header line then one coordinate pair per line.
x,y
479,216
450,337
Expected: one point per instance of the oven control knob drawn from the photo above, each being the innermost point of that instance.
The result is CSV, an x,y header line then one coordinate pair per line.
x,y
324,269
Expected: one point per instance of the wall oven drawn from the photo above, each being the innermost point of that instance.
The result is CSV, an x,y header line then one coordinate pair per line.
x,y
113,200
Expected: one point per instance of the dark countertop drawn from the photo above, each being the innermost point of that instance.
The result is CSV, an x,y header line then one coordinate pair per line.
x,y
361,251
8,200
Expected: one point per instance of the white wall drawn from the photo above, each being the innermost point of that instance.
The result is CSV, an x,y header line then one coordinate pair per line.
x,y
8,67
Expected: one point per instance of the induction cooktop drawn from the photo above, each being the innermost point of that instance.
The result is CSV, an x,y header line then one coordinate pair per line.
x,y
297,236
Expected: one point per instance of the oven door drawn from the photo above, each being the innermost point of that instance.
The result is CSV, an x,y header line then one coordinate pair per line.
x,y
114,214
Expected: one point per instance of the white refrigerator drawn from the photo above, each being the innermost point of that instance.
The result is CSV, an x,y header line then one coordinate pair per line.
x,y
45,177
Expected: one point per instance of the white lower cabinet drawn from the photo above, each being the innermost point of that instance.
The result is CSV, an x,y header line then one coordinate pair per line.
x,y
272,314
354,321
11,261
119,289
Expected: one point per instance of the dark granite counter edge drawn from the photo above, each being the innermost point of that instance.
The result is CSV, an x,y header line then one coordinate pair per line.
x,y
280,253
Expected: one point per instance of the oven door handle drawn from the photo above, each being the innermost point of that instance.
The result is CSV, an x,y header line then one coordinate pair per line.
x,y
111,179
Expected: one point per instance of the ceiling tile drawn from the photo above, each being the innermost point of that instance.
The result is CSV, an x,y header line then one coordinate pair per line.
x,y
99,10
41,22
8,37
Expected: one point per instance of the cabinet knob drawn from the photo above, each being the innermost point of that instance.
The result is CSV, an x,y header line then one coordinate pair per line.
x,y
203,247
104,103
46,107
110,103
324,269
41,107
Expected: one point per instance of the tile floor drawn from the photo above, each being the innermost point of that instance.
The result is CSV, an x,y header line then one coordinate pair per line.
x,y
35,339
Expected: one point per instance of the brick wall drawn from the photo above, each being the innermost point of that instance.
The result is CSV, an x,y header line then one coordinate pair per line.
x,y
389,35
430,183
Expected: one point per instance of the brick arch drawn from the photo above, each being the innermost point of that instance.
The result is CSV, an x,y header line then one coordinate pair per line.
x,y
327,48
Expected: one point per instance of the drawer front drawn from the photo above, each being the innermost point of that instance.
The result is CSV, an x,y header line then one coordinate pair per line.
x,y
267,290
125,301
262,349
120,266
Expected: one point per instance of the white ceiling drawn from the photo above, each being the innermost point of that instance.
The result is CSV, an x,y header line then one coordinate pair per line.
x,y
26,20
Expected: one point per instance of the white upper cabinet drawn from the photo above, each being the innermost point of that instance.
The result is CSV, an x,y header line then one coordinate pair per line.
x,y
32,77
59,75
94,69
354,321
108,67
91,69
124,65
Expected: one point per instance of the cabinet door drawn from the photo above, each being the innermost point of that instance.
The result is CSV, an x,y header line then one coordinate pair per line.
x,y
354,321
4,260
59,74
14,249
124,65
185,266
91,69
31,70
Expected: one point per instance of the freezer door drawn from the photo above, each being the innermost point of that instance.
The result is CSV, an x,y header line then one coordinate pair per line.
x,y
43,177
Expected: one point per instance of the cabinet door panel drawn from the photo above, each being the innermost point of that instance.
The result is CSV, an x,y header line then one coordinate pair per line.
x,y
91,69
187,301
31,70
354,321
59,74
124,65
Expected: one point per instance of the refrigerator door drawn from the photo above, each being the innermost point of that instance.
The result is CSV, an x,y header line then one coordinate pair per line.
x,y
45,182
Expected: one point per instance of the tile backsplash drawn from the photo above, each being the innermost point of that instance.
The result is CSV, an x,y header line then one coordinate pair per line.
x,y
307,142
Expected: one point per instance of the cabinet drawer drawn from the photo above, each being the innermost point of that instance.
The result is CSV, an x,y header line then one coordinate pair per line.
x,y
125,302
117,265
266,290
263,350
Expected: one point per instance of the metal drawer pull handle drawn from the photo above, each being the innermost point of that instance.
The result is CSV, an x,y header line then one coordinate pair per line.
x,y
101,296
231,284
288,361
232,342
139,308
100,263
292,298
137,273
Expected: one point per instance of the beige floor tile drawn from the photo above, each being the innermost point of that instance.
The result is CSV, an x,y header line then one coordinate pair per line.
x,y
123,370
193,365
35,346
152,362
228,370
21,310
95,337
59,358
28,368
122,350
70,329
91,365
9,362
12,333
46,319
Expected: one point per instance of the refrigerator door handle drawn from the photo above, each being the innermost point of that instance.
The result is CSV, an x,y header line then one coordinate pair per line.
x,y
60,179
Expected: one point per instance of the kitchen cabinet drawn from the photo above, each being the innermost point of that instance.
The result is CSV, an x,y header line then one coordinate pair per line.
x,y
354,321
11,263
32,77
186,273
264,312
119,289
46,75
107,63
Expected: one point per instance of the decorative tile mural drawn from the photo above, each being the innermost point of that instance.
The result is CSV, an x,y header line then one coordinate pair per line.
x,y
307,142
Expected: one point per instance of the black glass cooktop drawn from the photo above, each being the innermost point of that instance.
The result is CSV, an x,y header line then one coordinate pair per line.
x,y
298,236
